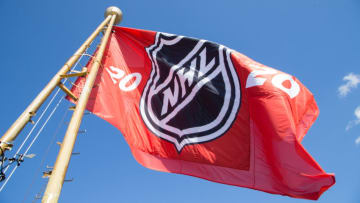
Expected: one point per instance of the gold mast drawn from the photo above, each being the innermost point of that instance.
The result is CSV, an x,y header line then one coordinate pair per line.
x,y
56,180
30,111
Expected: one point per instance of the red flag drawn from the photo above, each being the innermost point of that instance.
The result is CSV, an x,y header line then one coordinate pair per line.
x,y
194,107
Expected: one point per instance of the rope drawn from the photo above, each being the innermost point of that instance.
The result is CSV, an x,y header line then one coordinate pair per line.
x,y
42,114
46,153
35,138
33,128
42,127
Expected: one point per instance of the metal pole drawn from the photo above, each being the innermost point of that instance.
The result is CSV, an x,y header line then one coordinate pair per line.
x,y
57,177
30,111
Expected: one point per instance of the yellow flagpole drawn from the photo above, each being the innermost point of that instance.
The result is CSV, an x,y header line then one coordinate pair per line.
x,y
30,111
57,177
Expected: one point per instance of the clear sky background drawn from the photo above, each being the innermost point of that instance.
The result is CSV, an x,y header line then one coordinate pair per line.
x,y
318,41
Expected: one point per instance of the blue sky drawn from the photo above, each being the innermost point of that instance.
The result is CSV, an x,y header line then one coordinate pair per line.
x,y
315,40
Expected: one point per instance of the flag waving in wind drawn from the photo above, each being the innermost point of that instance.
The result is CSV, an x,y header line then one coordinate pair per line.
x,y
198,108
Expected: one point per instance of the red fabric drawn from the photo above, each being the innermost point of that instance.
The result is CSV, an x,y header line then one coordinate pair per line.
x,y
262,148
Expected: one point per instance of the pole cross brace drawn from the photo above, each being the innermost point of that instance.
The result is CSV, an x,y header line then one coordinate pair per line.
x,y
75,74
67,91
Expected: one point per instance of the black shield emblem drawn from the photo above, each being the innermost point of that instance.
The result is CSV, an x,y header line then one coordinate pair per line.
x,y
193,93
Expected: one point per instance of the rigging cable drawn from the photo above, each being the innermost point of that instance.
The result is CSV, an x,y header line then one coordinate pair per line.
x,y
36,136
42,127
46,153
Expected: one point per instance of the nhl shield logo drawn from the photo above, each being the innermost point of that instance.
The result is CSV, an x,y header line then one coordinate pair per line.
x,y
193,92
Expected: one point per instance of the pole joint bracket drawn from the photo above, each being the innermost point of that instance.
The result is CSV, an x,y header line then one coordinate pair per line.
x,y
67,91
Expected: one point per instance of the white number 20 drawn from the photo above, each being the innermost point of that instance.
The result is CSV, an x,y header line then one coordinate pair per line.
x,y
117,74
277,80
